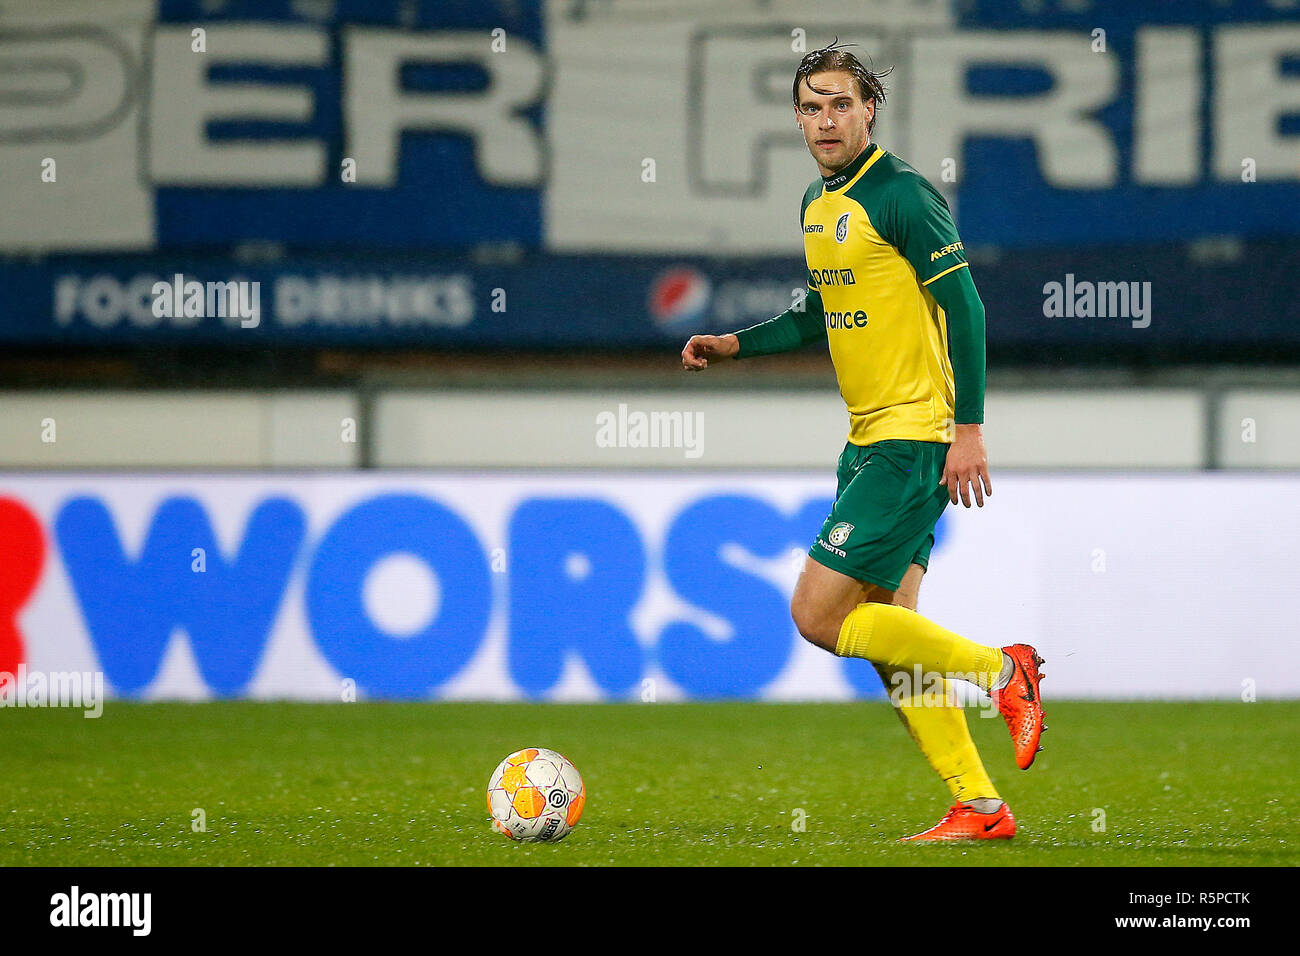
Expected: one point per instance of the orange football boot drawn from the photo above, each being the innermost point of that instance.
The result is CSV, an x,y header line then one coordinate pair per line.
x,y
1020,703
965,823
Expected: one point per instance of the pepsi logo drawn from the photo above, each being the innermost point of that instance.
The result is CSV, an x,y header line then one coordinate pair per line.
x,y
679,296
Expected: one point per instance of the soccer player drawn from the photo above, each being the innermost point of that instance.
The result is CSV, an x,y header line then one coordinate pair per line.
x,y
890,290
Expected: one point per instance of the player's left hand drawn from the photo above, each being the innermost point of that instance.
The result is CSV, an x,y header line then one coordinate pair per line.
x,y
967,466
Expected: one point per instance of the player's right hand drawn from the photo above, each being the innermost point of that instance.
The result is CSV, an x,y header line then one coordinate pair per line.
x,y
701,348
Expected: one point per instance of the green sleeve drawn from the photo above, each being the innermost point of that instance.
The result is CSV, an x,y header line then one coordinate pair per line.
x,y
915,220
957,296
792,329
795,327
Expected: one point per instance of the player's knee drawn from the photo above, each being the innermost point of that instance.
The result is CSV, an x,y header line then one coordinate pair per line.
x,y
813,623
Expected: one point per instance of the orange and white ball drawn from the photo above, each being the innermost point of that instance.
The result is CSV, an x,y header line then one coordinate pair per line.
x,y
536,795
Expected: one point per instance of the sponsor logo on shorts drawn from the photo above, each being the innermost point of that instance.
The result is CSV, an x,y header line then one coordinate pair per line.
x,y
840,533
827,547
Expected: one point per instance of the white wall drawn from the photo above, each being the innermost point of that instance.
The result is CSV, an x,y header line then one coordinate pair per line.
x,y
1093,428
1097,428
1260,429
168,429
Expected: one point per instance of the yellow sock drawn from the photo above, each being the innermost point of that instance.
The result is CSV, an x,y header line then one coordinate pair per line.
x,y
899,638
938,725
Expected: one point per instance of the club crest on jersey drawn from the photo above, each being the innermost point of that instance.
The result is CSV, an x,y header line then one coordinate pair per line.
x,y
842,228
840,533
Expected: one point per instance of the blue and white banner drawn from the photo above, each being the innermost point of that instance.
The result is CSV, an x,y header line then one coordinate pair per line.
x,y
1050,123
142,125
640,587
135,125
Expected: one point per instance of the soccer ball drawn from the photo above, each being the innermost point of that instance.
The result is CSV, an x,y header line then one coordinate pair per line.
x,y
536,795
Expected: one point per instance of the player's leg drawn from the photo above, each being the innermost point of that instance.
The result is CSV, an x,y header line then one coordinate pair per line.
x,y
823,598
884,516
938,727
936,721
929,711
827,612
896,638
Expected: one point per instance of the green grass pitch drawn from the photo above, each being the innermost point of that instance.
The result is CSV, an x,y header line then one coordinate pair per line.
x,y
1192,784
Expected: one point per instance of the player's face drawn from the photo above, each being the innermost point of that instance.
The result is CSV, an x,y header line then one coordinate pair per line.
x,y
834,122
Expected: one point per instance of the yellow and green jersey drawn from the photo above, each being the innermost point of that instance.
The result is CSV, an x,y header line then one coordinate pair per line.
x,y
888,284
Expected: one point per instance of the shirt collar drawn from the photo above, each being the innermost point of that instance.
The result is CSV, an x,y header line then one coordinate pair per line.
x,y
836,180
